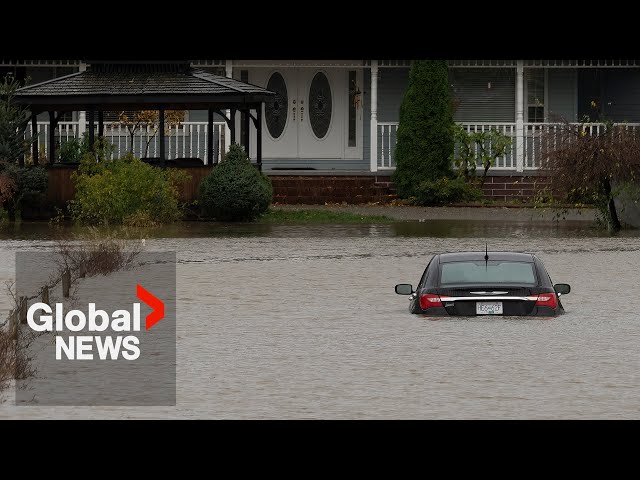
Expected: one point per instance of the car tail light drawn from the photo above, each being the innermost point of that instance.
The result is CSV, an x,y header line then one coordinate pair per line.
x,y
545,299
430,300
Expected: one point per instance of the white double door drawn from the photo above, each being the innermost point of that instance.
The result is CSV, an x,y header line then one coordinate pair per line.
x,y
308,117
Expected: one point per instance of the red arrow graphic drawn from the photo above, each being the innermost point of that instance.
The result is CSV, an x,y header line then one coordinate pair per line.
x,y
154,302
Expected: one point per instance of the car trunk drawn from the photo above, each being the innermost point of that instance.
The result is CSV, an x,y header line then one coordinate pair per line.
x,y
487,300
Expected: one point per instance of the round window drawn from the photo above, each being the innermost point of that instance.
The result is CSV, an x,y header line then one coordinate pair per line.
x,y
276,108
320,105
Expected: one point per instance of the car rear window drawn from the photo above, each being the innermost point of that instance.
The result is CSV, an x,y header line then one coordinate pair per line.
x,y
487,272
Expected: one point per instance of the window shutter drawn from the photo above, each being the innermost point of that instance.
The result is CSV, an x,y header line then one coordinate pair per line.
x,y
483,94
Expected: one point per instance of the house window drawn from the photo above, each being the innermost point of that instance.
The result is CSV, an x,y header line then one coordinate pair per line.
x,y
535,95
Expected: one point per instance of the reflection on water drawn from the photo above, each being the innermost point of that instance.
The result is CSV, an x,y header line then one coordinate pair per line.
x,y
430,228
302,322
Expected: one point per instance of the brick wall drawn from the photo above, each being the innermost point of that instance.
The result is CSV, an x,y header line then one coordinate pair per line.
x,y
355,189
513,187
316,189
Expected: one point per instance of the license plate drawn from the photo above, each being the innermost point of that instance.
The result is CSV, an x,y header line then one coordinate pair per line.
x,y
488,308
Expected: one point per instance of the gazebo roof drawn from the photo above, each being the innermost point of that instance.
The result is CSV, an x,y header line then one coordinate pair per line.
x,y
176,86
165,85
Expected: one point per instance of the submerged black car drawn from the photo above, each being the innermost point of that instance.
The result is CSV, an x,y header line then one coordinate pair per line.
x,y
485,283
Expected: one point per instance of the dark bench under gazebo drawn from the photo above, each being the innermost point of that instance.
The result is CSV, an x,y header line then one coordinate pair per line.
x,y
165,85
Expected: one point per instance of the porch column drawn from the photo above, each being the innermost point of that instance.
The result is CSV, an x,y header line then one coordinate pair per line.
x,y
374,116
82,115
519,140
91,130
259,136
244,118
227,132
232,128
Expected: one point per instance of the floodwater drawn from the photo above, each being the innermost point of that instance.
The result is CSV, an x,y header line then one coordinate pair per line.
x,y
280,321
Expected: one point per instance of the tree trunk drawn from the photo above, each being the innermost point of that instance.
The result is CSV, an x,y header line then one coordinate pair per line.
x,y
487,166
146,149
613,221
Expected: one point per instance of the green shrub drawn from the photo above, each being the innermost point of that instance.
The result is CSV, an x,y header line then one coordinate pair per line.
x,y
73,150
28,187
478,148
124,191
13,121
235,190
446,190
425,135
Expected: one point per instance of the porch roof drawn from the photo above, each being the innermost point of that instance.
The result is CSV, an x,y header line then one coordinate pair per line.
x,y
130,86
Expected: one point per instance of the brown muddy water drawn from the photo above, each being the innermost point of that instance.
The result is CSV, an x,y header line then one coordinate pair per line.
x,y
279,321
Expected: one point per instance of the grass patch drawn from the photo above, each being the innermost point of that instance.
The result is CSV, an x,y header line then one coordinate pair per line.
x,y
320,216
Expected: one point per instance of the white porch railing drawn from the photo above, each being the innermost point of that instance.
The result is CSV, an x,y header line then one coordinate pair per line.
x,y
387,145
541,136
189,139
535,139
387,136
507,161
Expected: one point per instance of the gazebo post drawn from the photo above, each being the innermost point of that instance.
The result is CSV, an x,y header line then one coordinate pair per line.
x,y
162,153
100,123
34,137
210,160
52,136
91,130
259,136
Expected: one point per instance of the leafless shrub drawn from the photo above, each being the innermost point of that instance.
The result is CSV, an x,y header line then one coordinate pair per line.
x,y
7,187
93,254
14,362
590,162
97,255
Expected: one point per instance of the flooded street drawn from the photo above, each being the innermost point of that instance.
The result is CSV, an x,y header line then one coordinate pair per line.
x,y
279,321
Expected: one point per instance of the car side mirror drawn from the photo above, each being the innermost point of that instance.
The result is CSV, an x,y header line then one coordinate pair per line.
x,y
404,289
562,288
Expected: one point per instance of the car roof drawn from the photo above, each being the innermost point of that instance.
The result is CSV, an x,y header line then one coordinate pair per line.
x,y
472,256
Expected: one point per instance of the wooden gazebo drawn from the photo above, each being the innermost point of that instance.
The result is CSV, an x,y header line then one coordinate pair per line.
x,y
165,85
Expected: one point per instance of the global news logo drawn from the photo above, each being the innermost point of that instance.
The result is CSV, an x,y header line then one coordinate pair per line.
x,y
125,325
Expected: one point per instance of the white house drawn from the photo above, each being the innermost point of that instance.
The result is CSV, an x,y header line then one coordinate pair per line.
x,y
341,116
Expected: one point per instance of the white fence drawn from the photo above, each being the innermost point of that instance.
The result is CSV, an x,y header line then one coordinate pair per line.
x,y
189,139
536,137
